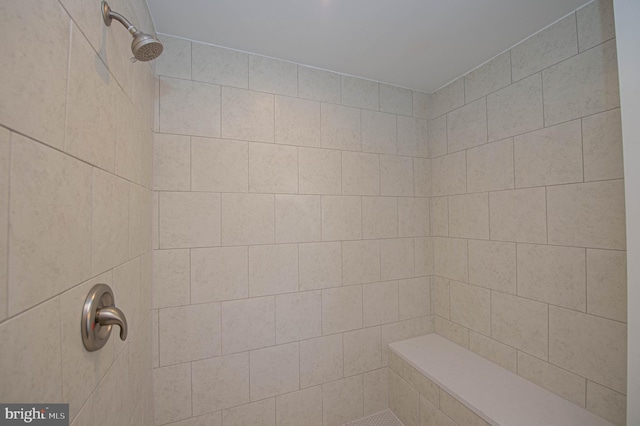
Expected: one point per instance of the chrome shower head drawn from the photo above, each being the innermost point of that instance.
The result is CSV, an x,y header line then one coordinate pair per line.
x,y
145,47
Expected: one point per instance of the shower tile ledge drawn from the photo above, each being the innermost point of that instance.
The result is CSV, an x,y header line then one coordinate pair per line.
x,y
494,393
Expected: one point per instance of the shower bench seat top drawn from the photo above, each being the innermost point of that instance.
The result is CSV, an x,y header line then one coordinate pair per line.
x,y
499,396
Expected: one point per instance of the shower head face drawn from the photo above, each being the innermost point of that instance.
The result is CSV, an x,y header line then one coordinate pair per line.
x,y
145,47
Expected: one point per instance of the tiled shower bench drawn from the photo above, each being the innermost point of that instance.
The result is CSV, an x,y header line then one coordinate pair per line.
x,y
433,381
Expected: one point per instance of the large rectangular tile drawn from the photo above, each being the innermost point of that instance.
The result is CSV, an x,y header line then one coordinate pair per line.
x,y
318,85
447,98
360,173
248,219
109,222
171,278
171,162
396,100
220,383
189,219
396,176
175,60
189,107
341,218
379,217
340,127
90,132
516,109
36,43
607,284
492,265
273,76
379,303
450,258
379,132
32,377
490,167
219,165
452,331
549,156
360,262
413,137
421,104
321,360
438,137
595,24
274,371
342,401
297,121
568,385
602,145
248,324
555,275
298,316
247,115
423,256
341,309
260,413
358,92
459,412
471,307
582,85
593,347
449,174
404,400
519,215
422,185
467,126
550,46
499,353
273,269
488,78
376,391
440,299
320,265
172,393
50,217
298,218
397,259
219,274
301,407
320,171
217,65
439,216
413,217
521,323
469,216
362,351
606,403
587,215
189,333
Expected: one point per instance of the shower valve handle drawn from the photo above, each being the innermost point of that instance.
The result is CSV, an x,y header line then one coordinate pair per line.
x,y
99,315
113,316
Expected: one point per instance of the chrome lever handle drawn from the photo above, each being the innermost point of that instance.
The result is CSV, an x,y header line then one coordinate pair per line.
x,y
113,316
99,314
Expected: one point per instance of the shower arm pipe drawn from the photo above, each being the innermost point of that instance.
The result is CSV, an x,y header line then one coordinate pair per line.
x,y
110,14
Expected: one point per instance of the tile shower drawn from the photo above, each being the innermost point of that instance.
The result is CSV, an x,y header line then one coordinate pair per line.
x,y
302,220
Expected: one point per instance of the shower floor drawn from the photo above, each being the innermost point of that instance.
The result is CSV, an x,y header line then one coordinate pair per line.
x,y
383,418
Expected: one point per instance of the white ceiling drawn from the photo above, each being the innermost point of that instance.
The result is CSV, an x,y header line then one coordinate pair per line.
x,y
418,44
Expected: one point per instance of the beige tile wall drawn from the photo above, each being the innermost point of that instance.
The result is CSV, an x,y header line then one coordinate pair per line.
x,y
529,228
293,238
76,153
